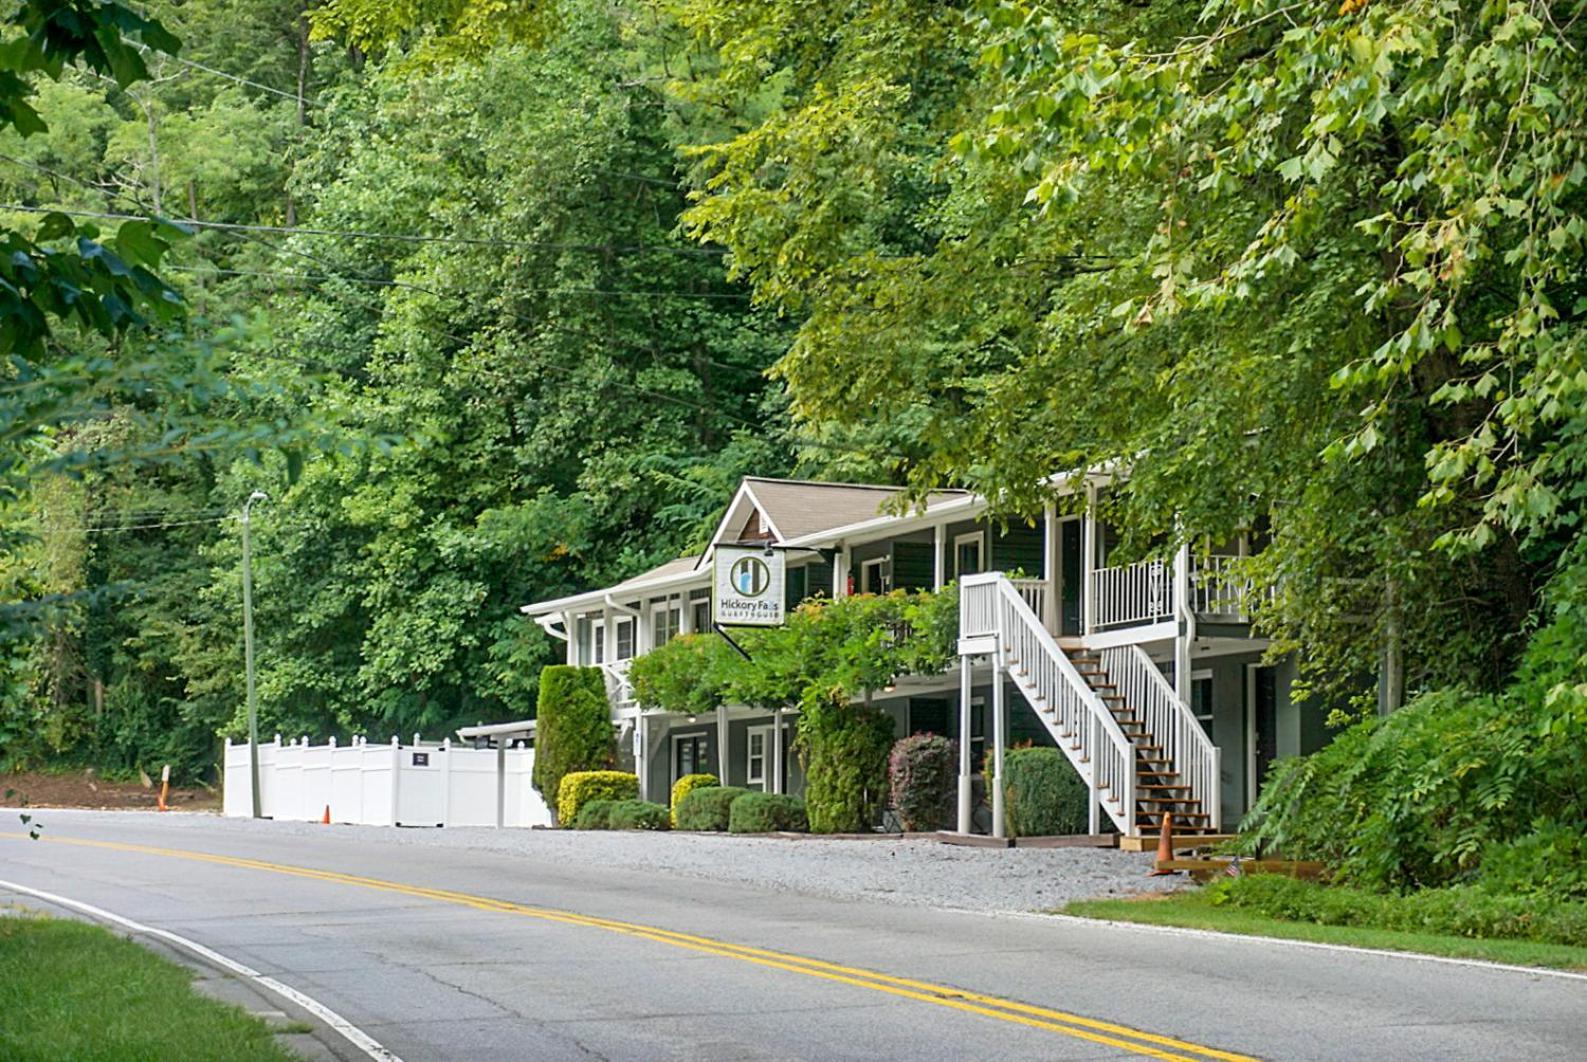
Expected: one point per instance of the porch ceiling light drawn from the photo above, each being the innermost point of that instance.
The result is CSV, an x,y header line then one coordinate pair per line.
x,y
692,719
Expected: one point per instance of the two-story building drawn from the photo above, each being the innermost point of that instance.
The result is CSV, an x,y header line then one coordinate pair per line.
x,y
1146,674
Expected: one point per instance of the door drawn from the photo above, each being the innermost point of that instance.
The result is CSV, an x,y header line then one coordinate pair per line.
x,y
969,554
1071,573
690,756
1263,688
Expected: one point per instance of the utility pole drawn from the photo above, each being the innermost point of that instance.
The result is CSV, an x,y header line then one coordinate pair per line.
x,y
247,648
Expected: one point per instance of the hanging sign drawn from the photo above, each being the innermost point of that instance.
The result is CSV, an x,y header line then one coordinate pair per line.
x,y
749,586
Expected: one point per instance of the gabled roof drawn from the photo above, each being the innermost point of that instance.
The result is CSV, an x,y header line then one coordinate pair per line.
x,y
792,509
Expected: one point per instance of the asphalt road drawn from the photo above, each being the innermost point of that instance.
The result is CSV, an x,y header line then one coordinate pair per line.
x,y
441,952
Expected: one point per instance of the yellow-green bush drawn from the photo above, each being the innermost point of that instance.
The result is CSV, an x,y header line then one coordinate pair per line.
x,y
686,785
580,787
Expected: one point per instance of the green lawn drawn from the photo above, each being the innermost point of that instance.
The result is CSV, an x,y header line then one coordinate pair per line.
x,y
69,990
1193,910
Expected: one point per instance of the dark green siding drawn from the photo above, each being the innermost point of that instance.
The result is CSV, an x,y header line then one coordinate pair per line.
x,y
1020,548
913,568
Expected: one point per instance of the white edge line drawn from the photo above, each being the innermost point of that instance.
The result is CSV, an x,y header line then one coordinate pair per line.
x,y
353,1034
1250,938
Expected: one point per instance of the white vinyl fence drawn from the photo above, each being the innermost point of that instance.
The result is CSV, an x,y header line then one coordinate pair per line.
x,y
420,784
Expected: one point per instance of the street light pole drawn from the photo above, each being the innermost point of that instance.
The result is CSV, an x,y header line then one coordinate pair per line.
x,y
247,648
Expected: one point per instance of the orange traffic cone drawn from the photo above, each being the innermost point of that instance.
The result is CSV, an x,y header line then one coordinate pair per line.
x,y
326,820
1165,848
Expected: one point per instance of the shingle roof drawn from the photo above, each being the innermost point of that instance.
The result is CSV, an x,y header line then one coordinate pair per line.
x,y
676,566
804,507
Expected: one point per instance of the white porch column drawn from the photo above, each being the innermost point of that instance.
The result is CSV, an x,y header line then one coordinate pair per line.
x,y
642,753
964,744
999,735
721,744
1049,565
571,627
840,573
939,560
1182,628
776,751
1088,561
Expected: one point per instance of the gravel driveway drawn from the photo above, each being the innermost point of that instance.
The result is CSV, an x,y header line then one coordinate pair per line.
x,y
912,871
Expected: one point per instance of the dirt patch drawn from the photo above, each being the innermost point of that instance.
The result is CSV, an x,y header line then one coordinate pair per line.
x,y
84,789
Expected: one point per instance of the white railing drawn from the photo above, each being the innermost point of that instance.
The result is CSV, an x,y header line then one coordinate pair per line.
x,y
1170,721
990,604
1132,593
1217,588
1035,593
618,687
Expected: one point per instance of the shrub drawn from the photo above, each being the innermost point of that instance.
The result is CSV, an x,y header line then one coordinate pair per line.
x,y
686,785
581,787
1043,795
573,729
845,748
594,815
767,813
920,772
706,809
638,815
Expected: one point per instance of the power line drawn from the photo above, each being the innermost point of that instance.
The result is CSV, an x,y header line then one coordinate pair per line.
x,y
48,529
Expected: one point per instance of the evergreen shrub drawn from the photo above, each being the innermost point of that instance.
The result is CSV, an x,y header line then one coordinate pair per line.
x,y
581,787
638,815
845,748
686,785
920,772
706,809
1043,795
573,729
767,813
595,815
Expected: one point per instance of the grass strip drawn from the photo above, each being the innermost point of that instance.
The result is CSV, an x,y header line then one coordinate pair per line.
x,y
74,990
1195,910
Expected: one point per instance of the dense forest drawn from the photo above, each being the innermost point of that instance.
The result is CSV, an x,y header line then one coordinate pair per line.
x,y
496,301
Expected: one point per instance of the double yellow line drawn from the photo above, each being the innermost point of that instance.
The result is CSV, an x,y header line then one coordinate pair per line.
x,y
1134,1041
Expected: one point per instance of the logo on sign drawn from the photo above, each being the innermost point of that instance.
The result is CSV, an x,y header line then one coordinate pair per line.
x,y
750,576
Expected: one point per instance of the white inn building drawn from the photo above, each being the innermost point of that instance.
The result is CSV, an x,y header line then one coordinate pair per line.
x,y
1147,675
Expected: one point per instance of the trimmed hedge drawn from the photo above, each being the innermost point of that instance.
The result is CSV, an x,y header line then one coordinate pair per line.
x,y
706,809
686,785
581,787
595,815
573,729
1043,794
845,748
638,815
767,813
921,770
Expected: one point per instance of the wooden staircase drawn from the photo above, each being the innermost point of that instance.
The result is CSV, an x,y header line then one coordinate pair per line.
x,y
1159,788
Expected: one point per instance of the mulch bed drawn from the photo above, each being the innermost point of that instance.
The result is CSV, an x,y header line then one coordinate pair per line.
x,y
86,789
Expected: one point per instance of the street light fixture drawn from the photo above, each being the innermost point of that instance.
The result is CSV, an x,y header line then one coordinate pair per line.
x,y
247,647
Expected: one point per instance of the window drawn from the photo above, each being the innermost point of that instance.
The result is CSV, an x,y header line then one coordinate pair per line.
x,y
600,642
873,576
1201,698
758,765
665,622
969,553
700,614
625,638
798,584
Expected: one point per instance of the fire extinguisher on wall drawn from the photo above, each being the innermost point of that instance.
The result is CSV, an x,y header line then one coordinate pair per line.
x,y
850,591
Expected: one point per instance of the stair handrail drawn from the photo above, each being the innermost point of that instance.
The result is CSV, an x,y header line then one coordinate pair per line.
x,y
1099,731
1172,722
